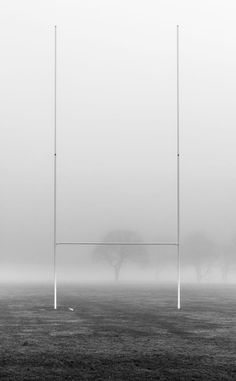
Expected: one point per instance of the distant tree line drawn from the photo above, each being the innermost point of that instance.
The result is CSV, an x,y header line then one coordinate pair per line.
x,y
198,252
205,255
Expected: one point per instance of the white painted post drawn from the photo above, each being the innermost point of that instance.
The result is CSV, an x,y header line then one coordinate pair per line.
x,y
55,170
178,171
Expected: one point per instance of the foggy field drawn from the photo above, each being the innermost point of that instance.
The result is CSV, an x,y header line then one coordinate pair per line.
x,y
118,333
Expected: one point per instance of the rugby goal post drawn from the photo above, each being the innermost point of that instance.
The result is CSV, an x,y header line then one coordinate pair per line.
x,y
58,243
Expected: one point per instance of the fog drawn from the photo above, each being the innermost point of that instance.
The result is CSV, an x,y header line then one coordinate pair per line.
x,y
117,138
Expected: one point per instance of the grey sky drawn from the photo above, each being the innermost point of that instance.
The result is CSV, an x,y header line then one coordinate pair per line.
x,y
116,121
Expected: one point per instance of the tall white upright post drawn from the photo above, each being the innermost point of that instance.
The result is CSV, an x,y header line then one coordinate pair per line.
x,y
178,171
55,183
55,169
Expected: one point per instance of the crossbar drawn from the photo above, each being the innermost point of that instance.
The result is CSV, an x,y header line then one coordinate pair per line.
x,y
118,243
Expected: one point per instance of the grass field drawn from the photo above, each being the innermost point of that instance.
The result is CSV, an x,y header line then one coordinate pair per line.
x,y
118,333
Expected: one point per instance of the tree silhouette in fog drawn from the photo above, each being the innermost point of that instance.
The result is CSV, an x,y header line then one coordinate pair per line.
x,y
118,255
201,253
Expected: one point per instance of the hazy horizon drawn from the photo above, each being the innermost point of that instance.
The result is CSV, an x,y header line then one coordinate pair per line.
x,y
116,131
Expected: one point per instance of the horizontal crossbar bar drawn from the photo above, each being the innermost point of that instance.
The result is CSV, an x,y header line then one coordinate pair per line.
x,y
119,243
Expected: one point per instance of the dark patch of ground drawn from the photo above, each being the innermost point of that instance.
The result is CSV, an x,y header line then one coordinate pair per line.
x,y
118,333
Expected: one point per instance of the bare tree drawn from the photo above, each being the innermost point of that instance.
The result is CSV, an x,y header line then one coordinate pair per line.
x,y
117,255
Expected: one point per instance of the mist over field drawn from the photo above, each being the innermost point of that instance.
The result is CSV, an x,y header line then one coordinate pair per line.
x,y
201,262
117,137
